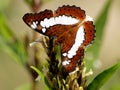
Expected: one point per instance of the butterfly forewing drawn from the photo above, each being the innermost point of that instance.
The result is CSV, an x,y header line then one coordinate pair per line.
x,y
34,20
73,11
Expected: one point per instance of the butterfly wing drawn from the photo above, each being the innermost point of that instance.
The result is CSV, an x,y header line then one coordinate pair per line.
x,y
75,37
73,11
72,27
74,56
34,20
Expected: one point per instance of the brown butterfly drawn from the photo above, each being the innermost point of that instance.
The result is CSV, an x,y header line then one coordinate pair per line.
x,y
72,27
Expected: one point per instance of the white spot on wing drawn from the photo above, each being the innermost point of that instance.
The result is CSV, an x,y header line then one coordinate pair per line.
x,y
66,62
42,24
36,22
46,22
34,25
57,20
51,21
64,54
43,30
71,54
65,20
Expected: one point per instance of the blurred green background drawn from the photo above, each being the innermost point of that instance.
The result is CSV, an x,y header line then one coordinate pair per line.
x,y
13,75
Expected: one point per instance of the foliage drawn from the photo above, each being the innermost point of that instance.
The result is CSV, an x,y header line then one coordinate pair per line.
x,y
10,44
102,78
100,22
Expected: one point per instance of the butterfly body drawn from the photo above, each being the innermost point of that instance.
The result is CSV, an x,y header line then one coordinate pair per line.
x,y
74,31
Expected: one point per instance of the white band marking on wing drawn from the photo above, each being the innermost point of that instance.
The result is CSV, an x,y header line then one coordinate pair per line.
x,y
63,20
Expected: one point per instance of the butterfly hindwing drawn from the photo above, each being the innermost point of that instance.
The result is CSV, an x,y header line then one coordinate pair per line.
x,y
70,64
89,32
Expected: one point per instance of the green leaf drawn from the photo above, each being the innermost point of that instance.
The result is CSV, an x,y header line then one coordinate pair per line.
x,y
58,52
26,86
101,21
5,31
102,78
100,24
10,44
42,77
39,72
92,52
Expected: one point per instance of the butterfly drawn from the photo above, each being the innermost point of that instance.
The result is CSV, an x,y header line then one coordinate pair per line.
x,y
72,27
